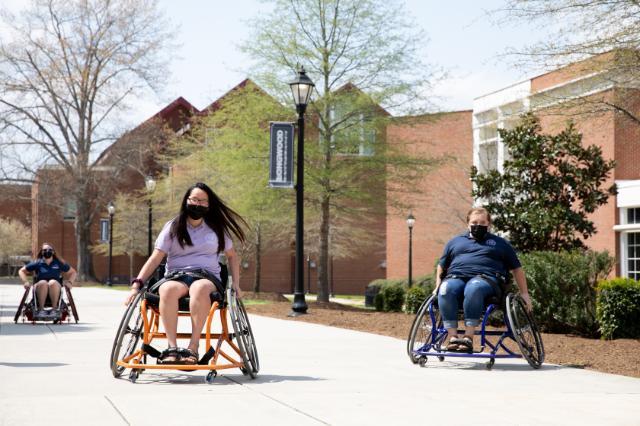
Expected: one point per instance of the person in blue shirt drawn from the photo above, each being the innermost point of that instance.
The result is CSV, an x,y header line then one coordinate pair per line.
x,y
473,266
49,270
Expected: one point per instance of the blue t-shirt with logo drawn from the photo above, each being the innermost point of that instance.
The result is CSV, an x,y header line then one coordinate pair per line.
x,y
52,271
466,257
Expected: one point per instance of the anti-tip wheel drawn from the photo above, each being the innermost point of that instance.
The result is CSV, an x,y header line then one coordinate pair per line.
x,y
211,376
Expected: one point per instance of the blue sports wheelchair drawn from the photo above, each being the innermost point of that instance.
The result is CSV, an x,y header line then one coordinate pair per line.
x,y
512,323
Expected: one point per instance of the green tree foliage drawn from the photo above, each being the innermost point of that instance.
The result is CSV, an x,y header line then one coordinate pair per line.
x,y
363,57
15,239
548,187
229,149
130,229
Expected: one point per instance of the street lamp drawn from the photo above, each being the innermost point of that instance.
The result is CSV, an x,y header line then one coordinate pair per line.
x,y
410,221
150,184
301,88
111,208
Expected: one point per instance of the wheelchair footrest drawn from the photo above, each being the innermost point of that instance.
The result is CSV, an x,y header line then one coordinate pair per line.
x,y
207,356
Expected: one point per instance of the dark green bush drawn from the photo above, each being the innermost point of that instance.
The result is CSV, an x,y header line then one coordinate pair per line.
x,y
618,308
415,296
392,295
562,286
386,298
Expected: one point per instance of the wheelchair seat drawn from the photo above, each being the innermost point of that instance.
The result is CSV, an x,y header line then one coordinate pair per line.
x,y
153,299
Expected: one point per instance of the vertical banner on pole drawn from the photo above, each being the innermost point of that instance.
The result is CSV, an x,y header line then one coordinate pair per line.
x,y
281,155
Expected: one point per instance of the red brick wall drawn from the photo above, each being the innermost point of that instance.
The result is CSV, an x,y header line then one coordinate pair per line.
x,y
600,129
445,198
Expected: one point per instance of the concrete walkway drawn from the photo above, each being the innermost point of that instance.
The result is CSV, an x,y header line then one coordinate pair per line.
x,y
310,374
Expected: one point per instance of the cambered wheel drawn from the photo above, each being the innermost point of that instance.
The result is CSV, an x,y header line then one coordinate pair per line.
x,y
525,331
19,311
72,304
422,330
244,336
128,335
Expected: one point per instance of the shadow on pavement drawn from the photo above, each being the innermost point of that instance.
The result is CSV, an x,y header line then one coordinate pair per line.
x,y
32,364
40,328
198,379
483,366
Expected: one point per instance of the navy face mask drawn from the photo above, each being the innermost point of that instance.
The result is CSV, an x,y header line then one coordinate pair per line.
x,y
478,232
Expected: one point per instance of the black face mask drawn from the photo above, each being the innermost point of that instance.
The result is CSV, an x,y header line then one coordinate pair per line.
x,y
47,254
478,232
196,211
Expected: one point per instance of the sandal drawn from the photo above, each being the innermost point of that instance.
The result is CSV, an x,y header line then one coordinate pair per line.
x,y
169,356
454,344
188,357
465,344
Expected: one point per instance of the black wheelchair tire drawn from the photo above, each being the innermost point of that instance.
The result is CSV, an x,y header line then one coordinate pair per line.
x,y
133,310
72,304
243,335
525,331
421,322
21,306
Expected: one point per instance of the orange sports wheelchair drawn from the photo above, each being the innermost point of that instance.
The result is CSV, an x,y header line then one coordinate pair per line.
x,y
140,325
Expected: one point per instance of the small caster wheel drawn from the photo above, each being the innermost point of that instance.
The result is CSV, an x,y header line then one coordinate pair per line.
x,y
244,371
211,376
440,358
422,361
133,376
490,363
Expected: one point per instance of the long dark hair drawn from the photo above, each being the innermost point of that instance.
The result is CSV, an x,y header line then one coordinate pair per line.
x,y
55,256
219,217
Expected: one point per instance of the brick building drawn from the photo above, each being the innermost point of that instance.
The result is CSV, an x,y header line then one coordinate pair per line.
x,y
441,199
602,105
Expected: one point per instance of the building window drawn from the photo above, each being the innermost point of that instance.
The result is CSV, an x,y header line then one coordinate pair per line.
x,y
355,135
633,254
69,209
633,215
104,230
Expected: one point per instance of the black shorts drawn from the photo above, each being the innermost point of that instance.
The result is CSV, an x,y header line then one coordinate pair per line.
x,y
189,277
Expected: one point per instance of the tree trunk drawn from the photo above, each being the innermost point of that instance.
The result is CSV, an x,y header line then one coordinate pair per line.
x,y
83,237
256,278
323,257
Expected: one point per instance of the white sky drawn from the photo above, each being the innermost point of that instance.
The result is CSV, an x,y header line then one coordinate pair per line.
x,y
461,39
209,62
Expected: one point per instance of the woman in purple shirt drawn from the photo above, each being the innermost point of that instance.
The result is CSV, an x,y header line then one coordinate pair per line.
x,y
192,242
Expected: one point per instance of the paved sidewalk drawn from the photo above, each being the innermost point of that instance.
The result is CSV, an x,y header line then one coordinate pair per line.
x,y
310,375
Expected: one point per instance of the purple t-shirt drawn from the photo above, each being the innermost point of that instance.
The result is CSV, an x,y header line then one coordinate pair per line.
x,y
202,254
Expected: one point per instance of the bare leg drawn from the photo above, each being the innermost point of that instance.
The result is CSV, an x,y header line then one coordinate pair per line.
x,y
199,305
170,293
41,293
54,293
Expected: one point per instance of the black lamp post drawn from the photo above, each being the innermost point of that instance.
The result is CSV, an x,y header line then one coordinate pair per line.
x,y
301,88
111,208
150,184
410,221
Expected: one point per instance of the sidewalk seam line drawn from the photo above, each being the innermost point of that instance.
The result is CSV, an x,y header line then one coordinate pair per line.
x,y
117,411
278,401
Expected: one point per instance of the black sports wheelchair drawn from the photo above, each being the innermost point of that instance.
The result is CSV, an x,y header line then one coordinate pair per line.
x,y
28,307
510,317
140,325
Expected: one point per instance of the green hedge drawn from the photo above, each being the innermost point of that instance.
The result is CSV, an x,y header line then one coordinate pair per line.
x,y
394,294
618,308
563,285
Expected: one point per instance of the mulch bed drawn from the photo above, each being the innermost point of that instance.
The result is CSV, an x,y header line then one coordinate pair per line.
x,y
619,356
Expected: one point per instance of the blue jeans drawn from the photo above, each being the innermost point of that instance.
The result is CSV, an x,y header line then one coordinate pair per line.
x,y
472,293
